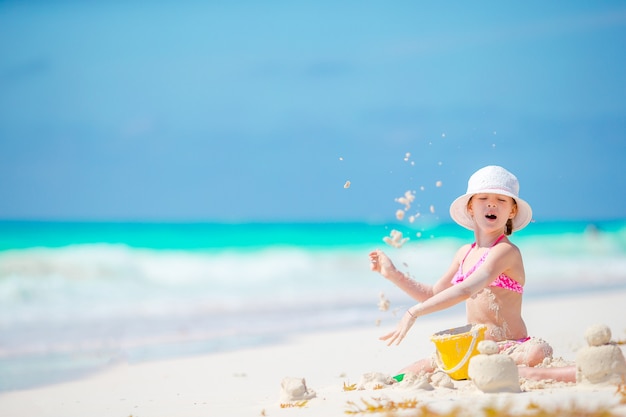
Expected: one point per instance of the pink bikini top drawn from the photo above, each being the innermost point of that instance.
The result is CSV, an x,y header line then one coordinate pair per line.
x,y
503,281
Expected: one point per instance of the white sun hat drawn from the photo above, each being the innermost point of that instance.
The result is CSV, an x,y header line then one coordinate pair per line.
x,y
494,180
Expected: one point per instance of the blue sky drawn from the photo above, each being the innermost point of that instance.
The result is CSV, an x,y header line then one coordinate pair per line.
x,y
261,111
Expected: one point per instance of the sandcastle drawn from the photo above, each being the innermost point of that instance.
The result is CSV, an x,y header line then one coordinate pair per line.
x,y
295,389
493,372
602,362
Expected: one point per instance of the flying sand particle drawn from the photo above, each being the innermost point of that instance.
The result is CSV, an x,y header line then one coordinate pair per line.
x,y
347,184
407,199
383,302
395,239
400,214
432,209
438,183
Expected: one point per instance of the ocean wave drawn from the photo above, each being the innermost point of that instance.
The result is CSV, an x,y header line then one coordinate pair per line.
x,y
112,294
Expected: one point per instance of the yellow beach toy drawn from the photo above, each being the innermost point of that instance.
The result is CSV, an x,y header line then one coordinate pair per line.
x,y
455,347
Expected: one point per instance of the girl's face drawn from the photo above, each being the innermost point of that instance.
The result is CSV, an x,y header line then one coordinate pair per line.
x,y
491,210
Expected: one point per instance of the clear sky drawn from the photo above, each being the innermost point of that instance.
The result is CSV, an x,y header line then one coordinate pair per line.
x,y
262,110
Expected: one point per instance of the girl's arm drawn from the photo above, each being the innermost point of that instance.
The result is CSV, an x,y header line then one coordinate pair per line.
x,y
380,262
447,298
421,292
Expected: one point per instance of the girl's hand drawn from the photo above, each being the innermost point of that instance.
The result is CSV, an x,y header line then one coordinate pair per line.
x,y
379,262
403,328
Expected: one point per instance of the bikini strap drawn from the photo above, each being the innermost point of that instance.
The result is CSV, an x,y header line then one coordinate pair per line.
x,y
468,252
498,240
474,245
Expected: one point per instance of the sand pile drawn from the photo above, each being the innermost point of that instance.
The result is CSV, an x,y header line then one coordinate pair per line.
x,y
602,362
492,371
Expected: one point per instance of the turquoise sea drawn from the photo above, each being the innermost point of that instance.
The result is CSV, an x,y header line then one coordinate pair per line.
x,y
79,296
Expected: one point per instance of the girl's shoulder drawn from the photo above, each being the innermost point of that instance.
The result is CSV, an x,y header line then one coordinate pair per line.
x,y
462,251
506,248
464,248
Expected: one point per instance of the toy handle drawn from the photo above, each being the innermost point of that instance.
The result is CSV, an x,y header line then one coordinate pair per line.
x,y
465,358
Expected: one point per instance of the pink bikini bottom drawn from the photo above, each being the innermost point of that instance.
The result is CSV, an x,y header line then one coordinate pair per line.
x,y
508,346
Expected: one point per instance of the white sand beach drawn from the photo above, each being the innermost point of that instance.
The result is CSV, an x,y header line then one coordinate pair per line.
x,y
248,382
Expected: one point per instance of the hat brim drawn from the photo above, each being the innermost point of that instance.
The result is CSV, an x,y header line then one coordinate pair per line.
x,y
458,210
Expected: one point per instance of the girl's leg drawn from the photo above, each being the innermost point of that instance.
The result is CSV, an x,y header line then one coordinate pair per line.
x,y
530,353
563,373
422,366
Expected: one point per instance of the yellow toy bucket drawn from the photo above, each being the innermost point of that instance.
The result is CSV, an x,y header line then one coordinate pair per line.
x,y
456,346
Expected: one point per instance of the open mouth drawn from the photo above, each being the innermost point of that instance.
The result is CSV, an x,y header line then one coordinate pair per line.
x,y
491,216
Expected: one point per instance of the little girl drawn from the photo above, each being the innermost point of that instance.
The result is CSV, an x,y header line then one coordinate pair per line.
x,y
488,275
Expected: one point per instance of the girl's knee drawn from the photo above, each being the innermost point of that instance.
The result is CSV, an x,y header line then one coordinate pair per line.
x,y
533,354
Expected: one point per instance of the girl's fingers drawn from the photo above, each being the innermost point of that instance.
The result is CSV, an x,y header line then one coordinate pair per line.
x,y
397,338
387,336
392,337
374,264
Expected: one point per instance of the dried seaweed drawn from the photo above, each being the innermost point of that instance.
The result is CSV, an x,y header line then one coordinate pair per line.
x,y
294,404
351,387
391,408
